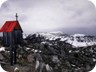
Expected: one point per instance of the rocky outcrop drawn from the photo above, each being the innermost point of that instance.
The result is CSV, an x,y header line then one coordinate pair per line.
x,y
39,55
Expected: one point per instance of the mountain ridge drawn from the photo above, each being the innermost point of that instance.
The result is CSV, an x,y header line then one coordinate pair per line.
x,y
76,40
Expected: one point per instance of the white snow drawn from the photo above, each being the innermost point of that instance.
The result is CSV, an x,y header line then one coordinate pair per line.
x,y
43,42
76,40
94,69
70,51
32,50
77,44
16,68
2,49
85,41
37,64
35,50
1,69
27,48
40,51
51,35
94,59
24,36
81,35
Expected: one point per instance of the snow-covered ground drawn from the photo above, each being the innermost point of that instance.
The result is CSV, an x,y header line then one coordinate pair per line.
x,y
2,49
77,40
81,40
1,69
94,69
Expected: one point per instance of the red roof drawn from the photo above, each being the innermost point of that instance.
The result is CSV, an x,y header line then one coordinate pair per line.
x,y
9,26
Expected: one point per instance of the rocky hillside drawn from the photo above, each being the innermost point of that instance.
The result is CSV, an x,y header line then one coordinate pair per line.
x,y
51,52
76,40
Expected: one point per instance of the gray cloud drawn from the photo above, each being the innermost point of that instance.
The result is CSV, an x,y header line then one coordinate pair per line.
x,y
50,15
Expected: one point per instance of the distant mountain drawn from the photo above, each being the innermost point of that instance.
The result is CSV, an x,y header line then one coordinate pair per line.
x,y
81,40
76,40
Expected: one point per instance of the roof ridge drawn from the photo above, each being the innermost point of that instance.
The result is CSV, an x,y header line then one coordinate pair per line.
x,y
9,26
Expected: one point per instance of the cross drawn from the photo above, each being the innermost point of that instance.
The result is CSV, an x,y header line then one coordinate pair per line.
x,y
16,17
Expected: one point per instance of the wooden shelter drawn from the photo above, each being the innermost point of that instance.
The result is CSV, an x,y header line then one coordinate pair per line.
x,y
12,37
12,33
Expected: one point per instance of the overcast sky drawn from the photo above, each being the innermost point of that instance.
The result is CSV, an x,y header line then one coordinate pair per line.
x,y
69,16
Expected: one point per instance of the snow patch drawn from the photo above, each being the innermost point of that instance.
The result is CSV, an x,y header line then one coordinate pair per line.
x,y
27,48
76,40
37,64
1,69
16,68
2,49
94,69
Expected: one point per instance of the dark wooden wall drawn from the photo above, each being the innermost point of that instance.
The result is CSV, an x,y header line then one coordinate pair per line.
x,y
15,37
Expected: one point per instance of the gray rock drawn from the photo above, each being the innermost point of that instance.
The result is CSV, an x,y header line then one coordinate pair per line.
x,y
1,57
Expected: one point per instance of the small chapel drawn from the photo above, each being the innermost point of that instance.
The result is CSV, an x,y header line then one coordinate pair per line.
x,y
12,37
12,32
